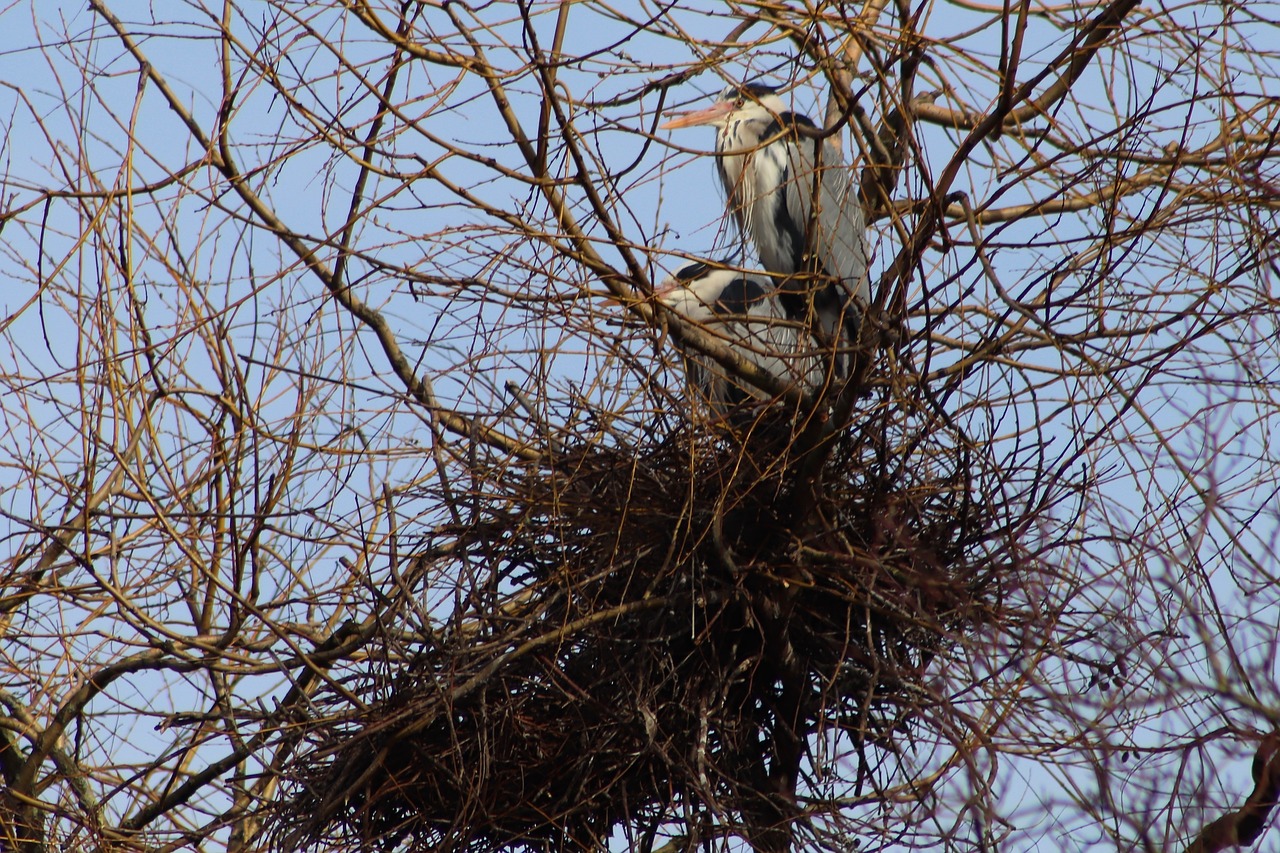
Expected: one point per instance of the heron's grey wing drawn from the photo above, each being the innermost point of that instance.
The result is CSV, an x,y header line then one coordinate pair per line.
x,y
839,232
798,191
842,221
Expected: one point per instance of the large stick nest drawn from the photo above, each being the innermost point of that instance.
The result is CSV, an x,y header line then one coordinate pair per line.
x,y
657,632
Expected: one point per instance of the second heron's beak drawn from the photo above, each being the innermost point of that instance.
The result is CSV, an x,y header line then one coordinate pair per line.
x,y
666,287
713,115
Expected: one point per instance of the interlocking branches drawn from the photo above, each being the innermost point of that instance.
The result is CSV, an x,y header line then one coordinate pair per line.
x,y
354,493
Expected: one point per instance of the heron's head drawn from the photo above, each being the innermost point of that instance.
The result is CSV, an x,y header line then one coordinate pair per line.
x,y
746,102
694,290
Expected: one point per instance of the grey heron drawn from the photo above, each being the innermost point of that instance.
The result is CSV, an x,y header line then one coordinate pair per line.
x,y
793,195
744,313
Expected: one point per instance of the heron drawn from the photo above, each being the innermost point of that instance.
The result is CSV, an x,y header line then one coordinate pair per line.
x,y
744,312
792,194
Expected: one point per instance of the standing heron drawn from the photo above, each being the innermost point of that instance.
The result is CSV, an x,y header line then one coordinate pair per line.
x,y
745,314
795,198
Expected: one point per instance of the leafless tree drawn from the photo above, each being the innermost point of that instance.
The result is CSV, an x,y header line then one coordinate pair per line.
x,y
354,497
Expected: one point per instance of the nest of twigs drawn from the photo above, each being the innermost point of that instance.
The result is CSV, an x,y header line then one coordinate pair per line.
x,y
662,630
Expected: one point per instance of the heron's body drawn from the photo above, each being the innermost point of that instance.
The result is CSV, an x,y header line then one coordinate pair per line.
x,y
744,312
793,196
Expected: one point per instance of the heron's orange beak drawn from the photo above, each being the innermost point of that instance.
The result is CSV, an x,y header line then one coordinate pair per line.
x,y
714,114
